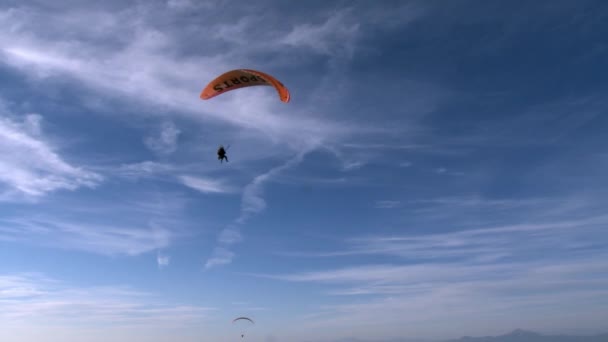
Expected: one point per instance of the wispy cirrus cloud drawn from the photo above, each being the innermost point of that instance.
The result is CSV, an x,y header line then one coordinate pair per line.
x,y
464,299
335,36
423,295
35,298
101,238
447,172
387,204
220,256
252,203
206,185
547,262
489,244
144,169
30,166
146,70
480,202
184,5
547,226
230,236
178,174
124,226
165,142
162,260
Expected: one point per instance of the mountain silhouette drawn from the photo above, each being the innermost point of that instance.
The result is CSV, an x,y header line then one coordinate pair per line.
x,y
520,335
517,335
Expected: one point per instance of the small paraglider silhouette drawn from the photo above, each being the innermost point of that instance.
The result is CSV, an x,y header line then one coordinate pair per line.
x,y
245,319
221,154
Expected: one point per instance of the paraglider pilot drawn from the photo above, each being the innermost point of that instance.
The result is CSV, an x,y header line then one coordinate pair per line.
x,y
221,154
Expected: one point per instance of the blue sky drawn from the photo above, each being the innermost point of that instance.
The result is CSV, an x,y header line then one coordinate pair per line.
x,y
440,170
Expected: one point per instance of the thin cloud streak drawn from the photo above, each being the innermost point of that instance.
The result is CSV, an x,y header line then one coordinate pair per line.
x,y
99,238
35,298
206,185
124,226
144,169
252,203
388,204
30,167
424,295
510,272
220,256
335,37
162,260
488,244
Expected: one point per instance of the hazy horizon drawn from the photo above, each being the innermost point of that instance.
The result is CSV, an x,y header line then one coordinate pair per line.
x,y
439,172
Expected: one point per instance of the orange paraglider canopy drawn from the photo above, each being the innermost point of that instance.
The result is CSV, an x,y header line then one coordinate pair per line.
x,y
241,78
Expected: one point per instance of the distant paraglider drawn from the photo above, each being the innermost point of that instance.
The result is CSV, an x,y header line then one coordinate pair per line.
x,y
242,319
241,78
221,154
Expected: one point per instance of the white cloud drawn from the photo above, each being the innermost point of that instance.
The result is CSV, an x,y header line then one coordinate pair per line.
x,y
445,171
166,142
36,299
33,124
546,266
353,165
489,244
111,224
30,167
162,260
420,297
144,169
301,180
117,238
188,5
180,4
230,236
220,256
19,286
386,204
252,201
174,172
205,185
377,146
335,37
394,274
480,202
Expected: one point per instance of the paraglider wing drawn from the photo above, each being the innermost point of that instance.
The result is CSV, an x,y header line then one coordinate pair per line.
x,y
241,78
243,318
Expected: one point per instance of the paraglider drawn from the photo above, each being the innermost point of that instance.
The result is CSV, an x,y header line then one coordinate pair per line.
x,y
241,78
242,319
221,154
